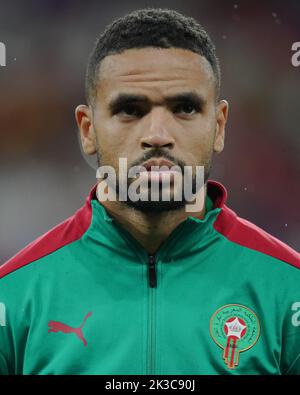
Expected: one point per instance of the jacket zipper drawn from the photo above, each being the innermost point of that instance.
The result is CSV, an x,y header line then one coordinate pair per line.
x,y
152,278
152,281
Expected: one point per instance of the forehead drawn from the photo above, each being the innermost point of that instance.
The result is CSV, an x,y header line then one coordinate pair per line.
x,y
155,72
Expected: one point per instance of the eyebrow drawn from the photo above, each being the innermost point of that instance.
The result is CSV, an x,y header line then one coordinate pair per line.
x,y
125,99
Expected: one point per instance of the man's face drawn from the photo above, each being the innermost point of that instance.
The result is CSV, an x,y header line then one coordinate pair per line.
x,y
154,104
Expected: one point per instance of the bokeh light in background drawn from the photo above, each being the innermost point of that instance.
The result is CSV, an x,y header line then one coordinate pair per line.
x,y
44,177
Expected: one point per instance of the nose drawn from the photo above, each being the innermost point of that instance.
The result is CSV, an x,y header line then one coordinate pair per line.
x,y
157,130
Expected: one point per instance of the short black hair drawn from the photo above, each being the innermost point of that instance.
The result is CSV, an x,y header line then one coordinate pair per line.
x,y
150,27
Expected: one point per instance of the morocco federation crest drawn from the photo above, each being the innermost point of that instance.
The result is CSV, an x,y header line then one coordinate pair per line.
x,y
235,328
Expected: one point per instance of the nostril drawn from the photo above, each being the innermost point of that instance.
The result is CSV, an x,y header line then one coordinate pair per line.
x,y
169,145
157,141
146,145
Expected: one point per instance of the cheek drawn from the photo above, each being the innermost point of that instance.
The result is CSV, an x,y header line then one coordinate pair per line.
x,y
114,142
199,138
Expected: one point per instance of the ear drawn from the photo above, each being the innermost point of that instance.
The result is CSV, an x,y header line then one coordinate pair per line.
x,y
222,114
84,119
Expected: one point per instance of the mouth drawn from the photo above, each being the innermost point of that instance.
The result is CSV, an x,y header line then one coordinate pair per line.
x,y
159,170
162,165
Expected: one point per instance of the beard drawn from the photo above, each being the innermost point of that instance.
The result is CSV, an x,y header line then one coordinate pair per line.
x,y
160,205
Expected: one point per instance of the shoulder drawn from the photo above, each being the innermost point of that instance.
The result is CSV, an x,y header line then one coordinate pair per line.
x,y
243,232
61,235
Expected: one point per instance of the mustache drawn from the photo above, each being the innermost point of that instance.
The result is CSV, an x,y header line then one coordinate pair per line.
x,y
159,153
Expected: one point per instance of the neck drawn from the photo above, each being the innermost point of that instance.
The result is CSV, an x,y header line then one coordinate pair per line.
x,y
149,229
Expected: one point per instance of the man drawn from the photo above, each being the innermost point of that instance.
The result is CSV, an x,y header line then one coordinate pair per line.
x,y
145,286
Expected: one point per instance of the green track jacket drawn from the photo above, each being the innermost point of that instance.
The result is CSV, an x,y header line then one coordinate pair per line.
x,y
220,296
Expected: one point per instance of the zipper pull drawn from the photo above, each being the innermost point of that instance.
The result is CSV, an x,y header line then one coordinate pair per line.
x,y
152,272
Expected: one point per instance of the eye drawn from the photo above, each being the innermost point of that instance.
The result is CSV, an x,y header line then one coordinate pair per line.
x,y
130,111
186,109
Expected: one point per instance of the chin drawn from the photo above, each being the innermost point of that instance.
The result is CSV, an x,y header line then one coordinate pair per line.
x,y
155,207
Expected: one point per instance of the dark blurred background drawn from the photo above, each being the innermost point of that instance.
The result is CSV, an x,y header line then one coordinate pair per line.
x,y
44,177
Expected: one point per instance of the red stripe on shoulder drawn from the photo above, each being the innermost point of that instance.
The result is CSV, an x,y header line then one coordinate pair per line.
x,y
62,234
245,233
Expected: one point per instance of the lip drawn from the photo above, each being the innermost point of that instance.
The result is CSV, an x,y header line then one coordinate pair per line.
x,y
162,162
158,174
